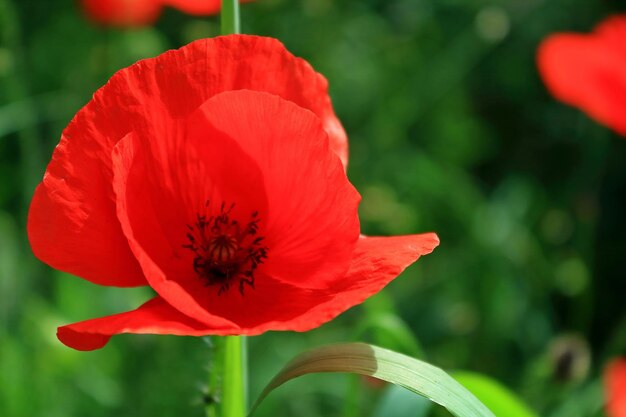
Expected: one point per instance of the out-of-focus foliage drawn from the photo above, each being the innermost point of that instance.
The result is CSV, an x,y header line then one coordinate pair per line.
x,y
499,400
450,130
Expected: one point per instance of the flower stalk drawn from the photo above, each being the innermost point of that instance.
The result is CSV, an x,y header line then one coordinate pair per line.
x,y
229,17
233,355
234,377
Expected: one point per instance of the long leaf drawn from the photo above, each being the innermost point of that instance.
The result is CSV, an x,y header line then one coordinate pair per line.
x,y
360,358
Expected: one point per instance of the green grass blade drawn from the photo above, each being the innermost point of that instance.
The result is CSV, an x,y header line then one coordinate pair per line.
x,y
363,359
499,399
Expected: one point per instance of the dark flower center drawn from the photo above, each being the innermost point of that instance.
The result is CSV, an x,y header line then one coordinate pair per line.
x,y
226,251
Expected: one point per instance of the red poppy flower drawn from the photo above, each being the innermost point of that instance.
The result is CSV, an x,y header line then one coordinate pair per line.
x,y
211,174
130,13
615,388
589,71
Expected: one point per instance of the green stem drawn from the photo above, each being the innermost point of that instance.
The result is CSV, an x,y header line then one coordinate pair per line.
x,y
231,353
233,401
230,17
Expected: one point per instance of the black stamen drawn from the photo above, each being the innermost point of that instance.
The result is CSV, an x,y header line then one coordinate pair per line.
x,y
224,251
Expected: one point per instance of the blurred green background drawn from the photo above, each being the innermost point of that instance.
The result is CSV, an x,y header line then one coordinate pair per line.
x,y
450,130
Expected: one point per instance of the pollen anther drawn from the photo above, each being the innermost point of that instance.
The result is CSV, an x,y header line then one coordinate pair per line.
x,y
225,251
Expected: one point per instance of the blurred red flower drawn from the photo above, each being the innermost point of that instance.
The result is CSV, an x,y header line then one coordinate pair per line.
x,y
589,71
615,388
131,13
211,173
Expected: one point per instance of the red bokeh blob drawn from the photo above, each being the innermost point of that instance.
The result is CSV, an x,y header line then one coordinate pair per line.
x,y
615,388
133,13
589,71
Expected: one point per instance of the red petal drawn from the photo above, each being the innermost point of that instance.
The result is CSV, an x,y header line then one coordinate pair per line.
x,y
277,306
75,230
122,12
312,223
615,388
589,71
154,317
376,262
307,207
72,221
235,62
270,306
160,192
